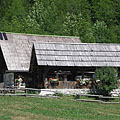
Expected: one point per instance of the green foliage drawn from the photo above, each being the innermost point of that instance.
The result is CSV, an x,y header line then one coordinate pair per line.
x,y
106,10
76,96
30,25
92,20
16,9
75,25
71,24
12,19
32,92
106,79
58,94
102,34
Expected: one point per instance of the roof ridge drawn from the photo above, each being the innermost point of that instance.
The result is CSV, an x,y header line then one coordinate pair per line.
x,y
41,35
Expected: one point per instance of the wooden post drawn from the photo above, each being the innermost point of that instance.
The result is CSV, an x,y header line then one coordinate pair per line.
x,y
74,72
45,73
65,81
83,73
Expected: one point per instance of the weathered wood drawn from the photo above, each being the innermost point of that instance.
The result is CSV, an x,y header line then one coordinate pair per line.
x,y
90,95
17,48
107,97
98,101
98,96
71,54
87,100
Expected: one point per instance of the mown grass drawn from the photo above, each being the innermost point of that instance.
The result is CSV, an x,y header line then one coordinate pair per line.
x,y
66,108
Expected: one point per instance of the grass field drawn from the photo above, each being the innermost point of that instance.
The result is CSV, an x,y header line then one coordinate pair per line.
x,y
66,108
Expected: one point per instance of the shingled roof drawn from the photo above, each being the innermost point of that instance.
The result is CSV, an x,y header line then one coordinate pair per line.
x,y
74,54
13,37
17,48
17,55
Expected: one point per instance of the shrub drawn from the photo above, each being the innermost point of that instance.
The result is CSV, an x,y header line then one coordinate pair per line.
x,y
58,94
106,79
33,92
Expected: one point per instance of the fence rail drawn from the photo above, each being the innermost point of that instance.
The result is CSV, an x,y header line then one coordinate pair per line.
x,y
99,98
32,92
19,92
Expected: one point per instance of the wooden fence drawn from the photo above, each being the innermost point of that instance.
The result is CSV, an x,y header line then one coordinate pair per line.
x,y
19,92
99,98
31,92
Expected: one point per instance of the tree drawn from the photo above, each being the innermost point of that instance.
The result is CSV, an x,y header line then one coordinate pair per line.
x,y
77,25
105,10
92,20
103,34
99,33
30,25
72,24
45,14
11,20
106,13
106,79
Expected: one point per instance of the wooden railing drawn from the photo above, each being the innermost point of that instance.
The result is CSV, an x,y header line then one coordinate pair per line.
x,y
19,92
99,98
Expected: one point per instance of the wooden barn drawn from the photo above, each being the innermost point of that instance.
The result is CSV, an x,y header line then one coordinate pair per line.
x,y
53,61
15,53
67,62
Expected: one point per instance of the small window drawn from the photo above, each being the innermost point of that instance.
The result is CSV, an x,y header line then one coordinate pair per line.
x,y
5,36
1,37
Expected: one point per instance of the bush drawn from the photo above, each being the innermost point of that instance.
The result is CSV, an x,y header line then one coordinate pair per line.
x,y
33,92
76,96
58,94
106,79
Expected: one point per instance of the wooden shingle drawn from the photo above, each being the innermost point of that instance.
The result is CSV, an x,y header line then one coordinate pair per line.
x,y
78,54
17,49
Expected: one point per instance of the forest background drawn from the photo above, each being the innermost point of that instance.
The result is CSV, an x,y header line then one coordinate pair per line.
x,y
94,21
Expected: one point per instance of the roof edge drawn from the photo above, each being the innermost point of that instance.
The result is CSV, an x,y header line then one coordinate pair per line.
x,y
26,71
42,35
76,43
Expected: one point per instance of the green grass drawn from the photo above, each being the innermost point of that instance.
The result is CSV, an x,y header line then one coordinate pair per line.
x,y
84,97
66,108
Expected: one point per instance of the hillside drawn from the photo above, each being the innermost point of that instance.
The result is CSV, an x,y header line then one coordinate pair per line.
x,y
91,20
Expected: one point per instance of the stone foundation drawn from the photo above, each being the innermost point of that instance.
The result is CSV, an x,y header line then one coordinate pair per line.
x,y
64,91
114,93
